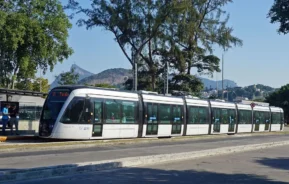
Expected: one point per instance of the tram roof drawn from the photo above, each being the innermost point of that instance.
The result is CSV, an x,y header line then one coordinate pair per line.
x,y
74,87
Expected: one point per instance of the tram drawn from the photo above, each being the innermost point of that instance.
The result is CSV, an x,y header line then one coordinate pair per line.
x,y
82,113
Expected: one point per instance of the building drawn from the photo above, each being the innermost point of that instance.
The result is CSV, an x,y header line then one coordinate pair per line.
x,y
29,104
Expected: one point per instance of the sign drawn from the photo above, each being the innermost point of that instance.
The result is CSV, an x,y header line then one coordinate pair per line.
x,y
253,105
60,94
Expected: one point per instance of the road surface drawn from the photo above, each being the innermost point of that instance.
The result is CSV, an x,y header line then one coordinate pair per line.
x,y
257,167
12,161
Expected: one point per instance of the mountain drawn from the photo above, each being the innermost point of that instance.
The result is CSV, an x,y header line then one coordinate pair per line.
x,y
77,70
213,84
117,76
114,76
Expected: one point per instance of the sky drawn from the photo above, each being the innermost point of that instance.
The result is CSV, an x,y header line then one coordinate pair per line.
x,y
263,58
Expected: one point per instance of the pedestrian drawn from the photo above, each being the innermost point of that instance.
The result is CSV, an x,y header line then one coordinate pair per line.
x,y
14,119
5,118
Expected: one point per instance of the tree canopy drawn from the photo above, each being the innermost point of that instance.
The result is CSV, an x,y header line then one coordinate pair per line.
x,y
68,78
280,98
279,13
39,84
154,33
33,35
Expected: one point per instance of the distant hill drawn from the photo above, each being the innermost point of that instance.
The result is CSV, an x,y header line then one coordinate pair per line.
x,y
117,76
114,76
213,84
77,70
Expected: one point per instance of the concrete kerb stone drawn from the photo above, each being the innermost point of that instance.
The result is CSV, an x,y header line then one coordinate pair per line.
x,y
70,169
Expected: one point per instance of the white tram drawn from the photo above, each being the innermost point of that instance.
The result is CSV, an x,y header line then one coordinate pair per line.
x,y
81,112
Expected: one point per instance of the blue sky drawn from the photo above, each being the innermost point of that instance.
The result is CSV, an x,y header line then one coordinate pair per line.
x,y
263,59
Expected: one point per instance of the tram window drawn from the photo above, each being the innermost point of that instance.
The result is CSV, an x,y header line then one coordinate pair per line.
x,y
165,113
267,117
225,116
262,117
203,115
232,116
194,115
276,118
97,111
113,111
128,112
258,117
74,112
217,115
245,117
152,116
177,114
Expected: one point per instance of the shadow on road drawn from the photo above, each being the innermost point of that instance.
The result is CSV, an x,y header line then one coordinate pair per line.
x,y
277,163
156,176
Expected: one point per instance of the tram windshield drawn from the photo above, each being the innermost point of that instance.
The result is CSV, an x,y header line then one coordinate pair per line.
x,y
54,103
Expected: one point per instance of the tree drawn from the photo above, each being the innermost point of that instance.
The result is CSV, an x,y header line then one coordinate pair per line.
x,y
279,98
39,84
181,33
42,85
279,13
104,85
68,78
33,35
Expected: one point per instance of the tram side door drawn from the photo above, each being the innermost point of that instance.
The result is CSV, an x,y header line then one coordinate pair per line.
x,y
232,118
217,120
177,119
98,117
257,120
152,120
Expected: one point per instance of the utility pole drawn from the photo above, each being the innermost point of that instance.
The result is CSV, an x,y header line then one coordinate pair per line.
x,y
40,81
166,79
134,59
222,76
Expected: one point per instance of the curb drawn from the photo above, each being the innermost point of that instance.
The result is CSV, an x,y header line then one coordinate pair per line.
x,y
70,169
25,137
40,146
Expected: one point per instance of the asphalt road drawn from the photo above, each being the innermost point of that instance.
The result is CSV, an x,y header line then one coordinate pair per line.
x,y
12,161
256,167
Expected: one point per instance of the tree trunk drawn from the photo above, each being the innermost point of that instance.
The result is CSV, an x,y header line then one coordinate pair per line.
x,y
189,68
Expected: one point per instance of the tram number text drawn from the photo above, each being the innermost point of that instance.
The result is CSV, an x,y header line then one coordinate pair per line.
x,y
83,128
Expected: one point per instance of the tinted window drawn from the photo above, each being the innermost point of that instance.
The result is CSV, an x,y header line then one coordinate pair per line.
x,y
97,110
54,103
259,117
193,115
267,117
128,112
152,113
164,113
245,117
203,115
217,115
113,111
225,116
232,116
177,114
74,112
276,118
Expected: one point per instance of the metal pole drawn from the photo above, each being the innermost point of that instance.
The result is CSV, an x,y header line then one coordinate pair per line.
x,y
135,76
222,76
40,81
166,79
134,59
